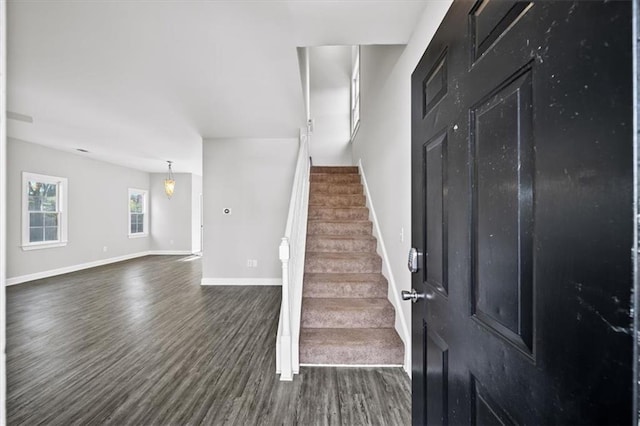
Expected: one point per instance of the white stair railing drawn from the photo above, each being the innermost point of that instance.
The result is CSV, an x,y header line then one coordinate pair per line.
x,y
292,251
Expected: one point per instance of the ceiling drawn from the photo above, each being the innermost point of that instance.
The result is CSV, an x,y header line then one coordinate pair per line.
x,y
139,82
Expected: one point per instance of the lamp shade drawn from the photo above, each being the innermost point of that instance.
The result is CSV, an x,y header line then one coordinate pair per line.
x,y
169,186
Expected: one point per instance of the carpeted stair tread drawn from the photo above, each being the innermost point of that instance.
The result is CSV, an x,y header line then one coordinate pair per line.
x,y
339,213
345,278
342,262
338,256
344,285
341,243
347,313
340,221
336,188
363,346
337,200
335,169
334,178
339,227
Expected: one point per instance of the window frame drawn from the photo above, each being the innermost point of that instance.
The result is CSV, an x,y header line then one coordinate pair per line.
x,y
355,95
61,210
145,212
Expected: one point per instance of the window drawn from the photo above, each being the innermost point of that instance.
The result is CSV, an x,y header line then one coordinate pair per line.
x,y
138,219
355,93
44,211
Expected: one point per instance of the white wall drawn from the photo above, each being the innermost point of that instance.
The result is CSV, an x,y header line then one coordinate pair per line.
x,y
196,214
97,209
3,208
377,63
253,178
330,97
170,219
383,142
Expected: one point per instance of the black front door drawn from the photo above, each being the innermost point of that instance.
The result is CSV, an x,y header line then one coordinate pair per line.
x,y
522,209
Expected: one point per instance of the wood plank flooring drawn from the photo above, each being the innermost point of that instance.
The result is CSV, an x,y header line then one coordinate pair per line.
x,y
141,342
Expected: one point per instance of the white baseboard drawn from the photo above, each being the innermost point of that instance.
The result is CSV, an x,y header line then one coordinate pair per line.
x,y
241,281
354,365
401,324
170,253
73,268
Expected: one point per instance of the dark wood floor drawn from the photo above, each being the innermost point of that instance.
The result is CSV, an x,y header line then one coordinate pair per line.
x,y
141,342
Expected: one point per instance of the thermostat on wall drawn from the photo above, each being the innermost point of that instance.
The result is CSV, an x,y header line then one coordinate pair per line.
x,y
226,211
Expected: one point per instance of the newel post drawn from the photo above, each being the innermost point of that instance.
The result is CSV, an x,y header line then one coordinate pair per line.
x,y
286,372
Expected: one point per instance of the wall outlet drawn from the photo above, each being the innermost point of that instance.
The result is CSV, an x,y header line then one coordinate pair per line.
x,y
171,242
104,249
252,263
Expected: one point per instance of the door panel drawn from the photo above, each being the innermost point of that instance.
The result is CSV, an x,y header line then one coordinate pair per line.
x,y
490,20
502,152
435,256
484,410
435,84
522,206
437,379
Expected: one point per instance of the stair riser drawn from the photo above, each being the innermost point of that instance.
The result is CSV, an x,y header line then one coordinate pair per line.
x,y
332,188
342,355
339,228
316,264
337,200
372,318
328,245
335,170
316,212
334,178
344,290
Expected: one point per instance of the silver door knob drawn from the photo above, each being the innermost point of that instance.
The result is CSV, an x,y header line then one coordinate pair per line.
x,y
414,296
413,262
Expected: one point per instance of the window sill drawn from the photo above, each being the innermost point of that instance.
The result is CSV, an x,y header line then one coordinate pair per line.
x,y
138,235
28,247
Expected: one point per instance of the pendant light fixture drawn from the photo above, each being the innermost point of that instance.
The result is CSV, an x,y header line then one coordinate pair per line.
x,y
169,182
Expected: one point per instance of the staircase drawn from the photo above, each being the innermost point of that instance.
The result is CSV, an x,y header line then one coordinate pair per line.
x,y
346,316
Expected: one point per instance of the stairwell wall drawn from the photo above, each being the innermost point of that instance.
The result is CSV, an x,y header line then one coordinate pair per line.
x,y
330,97
252,178
383,142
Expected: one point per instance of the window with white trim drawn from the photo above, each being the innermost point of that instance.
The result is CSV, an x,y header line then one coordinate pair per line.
x,y
138,217
44,211
355,94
